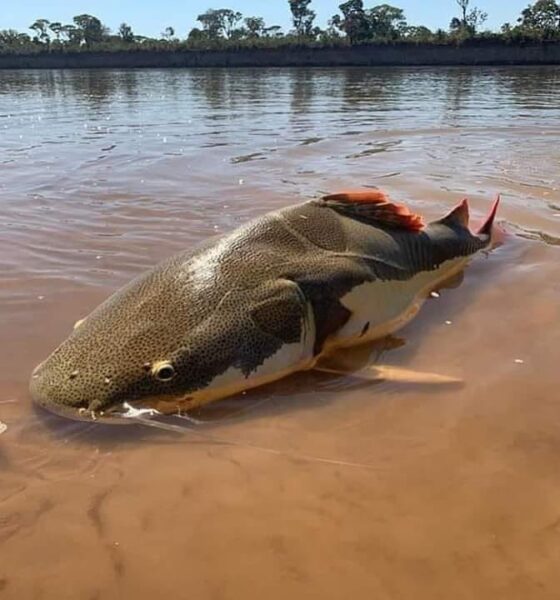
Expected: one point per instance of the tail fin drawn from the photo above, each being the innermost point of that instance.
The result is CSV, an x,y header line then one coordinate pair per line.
x,y
487,226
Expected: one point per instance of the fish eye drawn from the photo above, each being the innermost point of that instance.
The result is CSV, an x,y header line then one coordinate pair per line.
x,y
164,371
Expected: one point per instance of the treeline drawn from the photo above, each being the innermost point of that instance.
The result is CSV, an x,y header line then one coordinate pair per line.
x,y
226,28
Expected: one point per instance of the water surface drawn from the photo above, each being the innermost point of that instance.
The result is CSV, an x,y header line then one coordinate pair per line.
x,y
333,488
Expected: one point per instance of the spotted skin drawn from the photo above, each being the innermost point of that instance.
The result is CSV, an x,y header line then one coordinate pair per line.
x,y
258,304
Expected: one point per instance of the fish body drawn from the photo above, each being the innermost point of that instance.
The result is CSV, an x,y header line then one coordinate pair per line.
x,y
269,299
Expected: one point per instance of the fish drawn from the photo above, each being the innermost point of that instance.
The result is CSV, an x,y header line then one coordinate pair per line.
x,y
272,298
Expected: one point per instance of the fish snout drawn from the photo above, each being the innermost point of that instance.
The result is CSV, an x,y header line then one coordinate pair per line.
x,y
79,393
55,396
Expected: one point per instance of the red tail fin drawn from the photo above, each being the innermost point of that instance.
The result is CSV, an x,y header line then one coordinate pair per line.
x,y
486,228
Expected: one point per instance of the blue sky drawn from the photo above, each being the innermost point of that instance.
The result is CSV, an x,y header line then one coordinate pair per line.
x,y
150,18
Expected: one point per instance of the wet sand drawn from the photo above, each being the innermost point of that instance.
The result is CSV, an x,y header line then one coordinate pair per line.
x,y
329,487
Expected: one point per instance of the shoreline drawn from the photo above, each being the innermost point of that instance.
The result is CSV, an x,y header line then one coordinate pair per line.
x,y
370,55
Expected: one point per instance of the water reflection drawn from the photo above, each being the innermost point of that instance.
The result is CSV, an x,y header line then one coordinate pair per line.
x,y
458,92
532,89
303,87
96,87
214,85
371,89
380,89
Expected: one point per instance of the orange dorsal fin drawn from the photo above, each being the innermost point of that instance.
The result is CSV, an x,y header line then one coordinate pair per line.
x,y
359,196
375,208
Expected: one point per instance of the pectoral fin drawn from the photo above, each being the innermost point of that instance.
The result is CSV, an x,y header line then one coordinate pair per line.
x,y
78,323
409,376
390,373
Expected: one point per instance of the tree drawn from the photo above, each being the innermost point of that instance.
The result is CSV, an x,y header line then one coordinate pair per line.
x,y
219,23
10,39
74,34
40,27
543,17
196,36
57,29
230,19
418,33
476,19
274,31
302,17
255,26
126,33
211,25
354,22
386,22
506,29
464,6
168,33
91,27
469,22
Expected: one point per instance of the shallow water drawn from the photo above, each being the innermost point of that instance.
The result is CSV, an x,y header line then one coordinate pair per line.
x,y
420,492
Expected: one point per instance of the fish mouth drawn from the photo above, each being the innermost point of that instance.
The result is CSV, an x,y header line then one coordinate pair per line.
x,y
120,414
51,394
85,415
89,411
43,396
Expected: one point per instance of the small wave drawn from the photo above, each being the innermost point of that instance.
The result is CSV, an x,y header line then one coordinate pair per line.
x,y
248,158
536,235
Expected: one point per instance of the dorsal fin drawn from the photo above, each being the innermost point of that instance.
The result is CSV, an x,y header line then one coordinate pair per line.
x,y
372,196
458,216
374,208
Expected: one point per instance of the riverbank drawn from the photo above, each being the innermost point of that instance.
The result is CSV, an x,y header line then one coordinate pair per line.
x,y
539,53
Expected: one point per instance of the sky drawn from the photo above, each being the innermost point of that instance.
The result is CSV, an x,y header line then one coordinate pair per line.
x,y
150,18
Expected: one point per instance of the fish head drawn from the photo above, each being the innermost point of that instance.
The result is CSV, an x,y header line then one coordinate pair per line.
x,y
150,345
180,336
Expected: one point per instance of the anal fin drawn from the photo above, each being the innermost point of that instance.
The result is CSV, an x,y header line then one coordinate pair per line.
x,y
391,373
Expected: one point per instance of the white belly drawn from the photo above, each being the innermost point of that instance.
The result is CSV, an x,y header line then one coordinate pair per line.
x,y
382,307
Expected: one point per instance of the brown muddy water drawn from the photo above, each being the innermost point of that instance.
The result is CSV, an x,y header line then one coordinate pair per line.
x,y
331,488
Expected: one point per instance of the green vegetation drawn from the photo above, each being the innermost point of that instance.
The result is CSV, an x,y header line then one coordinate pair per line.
x,y
228,29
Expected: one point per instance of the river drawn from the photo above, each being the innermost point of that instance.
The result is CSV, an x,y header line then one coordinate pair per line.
x,y
327,487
